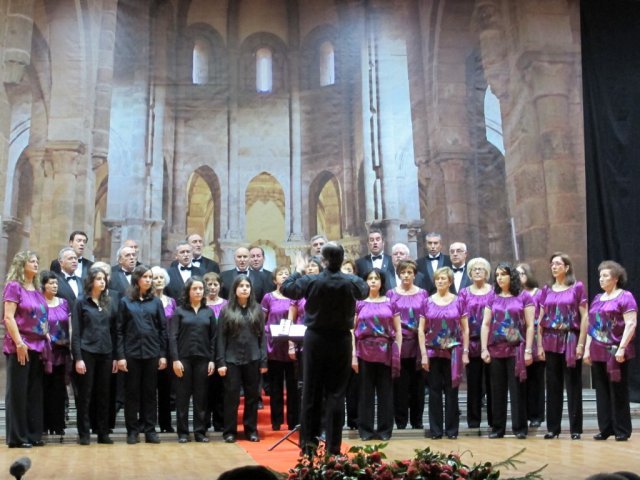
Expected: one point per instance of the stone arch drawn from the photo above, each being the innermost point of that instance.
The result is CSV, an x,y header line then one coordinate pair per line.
x,y
247,62
310,55
203,208
325,206
217,54
265,199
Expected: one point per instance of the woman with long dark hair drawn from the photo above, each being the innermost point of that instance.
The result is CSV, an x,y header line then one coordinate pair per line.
x,y
507,323
374,355
55,383
26,343
142,351
93,341
193,347
213,287
241,357
562,333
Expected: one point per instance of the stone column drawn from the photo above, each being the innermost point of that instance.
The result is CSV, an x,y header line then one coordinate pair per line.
x,y
455,186
17,39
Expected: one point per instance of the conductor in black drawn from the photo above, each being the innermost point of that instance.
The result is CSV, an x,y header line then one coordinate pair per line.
x,y
329,313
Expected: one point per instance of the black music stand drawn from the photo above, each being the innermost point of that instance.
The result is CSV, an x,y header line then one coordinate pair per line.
x,y
295,334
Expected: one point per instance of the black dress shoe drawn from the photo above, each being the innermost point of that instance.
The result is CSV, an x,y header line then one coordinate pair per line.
x,y
20,445
493,435
105,440
183,439
384,437
550,435
201,438
436,437
229,438
621,438
132,438
366,438
575,436
452,437
534,423
601,436
521,436
401,427
167,430
151,437
37,443
253,437
276,427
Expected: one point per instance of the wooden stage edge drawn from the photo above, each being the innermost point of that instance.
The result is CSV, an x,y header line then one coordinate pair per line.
x,y
566,458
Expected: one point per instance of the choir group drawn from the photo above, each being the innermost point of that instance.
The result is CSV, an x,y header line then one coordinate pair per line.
x,y
151,340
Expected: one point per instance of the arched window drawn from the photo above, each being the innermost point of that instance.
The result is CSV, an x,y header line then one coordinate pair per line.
x,y
264,70
493,120
201,51
327,64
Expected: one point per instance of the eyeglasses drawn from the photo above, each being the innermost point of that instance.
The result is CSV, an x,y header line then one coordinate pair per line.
x,y
457,250
477,269
557,264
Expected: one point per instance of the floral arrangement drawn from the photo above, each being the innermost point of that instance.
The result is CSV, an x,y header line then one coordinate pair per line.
x,y
367,463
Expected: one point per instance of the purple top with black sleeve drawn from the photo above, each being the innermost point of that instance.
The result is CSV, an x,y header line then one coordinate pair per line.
x,y
169,308
59,332
410,309
31,317
374,331
275,309
443,331
606,326
474,308
217,308
561,317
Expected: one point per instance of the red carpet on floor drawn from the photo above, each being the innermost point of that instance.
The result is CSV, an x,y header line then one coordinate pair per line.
x,y
284,456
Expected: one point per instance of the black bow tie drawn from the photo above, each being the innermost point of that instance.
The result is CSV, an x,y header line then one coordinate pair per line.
x,y
376,257
126,273
243,272
185,268
458,269
196,260
72,277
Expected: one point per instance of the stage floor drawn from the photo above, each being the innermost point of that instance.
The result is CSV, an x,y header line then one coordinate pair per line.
x,y
566,459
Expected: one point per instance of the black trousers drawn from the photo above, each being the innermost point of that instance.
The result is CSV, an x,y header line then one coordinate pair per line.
x,y
612,400
282,375
215,408
55,392
140,404
535,391
247,378
164,384
97,380
24,399
351,397
194,381
478,383
558,375
375,381
439,378
408,394
326,364
503,382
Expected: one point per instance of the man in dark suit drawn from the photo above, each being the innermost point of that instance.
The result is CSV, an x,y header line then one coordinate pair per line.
x,y
256,261
69,285
400,252
205,264
376,256
458,253
241,258
434,260
78,242
120,280
180,273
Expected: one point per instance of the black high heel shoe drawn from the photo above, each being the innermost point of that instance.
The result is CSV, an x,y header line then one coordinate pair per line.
x,y
550,435
575,436
601,436
493,435
621,438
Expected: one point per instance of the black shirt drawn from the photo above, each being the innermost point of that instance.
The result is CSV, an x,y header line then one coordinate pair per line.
x,y
193,334
93,328
244,346
331,298
141,332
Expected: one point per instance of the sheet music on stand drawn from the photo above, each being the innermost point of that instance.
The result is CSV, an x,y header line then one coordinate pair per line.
x,y
285,330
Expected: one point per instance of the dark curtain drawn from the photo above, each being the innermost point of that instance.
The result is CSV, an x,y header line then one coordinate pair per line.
x,y
611,83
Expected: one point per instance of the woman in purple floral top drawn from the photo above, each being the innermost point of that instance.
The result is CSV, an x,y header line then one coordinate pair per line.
x,y
282,371
376,331
407,301
508,321
443,335
474,298
26,347
165,376
562,332
55,383
612,325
